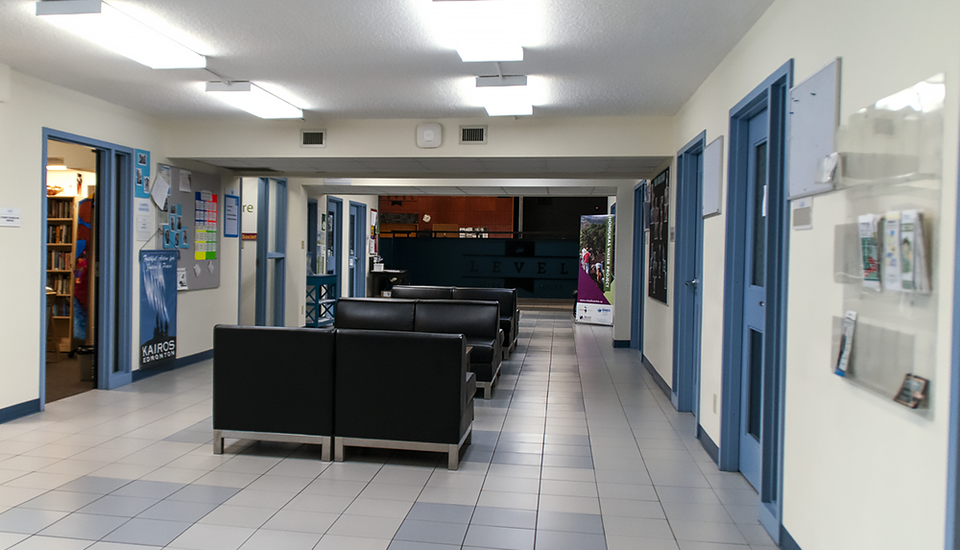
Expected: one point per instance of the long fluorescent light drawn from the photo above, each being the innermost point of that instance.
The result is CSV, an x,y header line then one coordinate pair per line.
x,y
505,95
56,163
253,99
490,53
112,29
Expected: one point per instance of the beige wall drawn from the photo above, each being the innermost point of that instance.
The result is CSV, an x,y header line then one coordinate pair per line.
x,y
847,452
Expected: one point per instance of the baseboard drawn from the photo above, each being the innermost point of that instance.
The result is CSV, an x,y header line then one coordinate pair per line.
x,y
708,445
20,410
621,343
656,376
786,541
177,363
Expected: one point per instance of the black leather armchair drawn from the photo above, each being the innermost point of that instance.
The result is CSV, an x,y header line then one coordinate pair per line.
x,y
403,390
273,384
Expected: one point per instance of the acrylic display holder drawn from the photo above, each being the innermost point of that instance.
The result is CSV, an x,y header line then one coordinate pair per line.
x,y
891,160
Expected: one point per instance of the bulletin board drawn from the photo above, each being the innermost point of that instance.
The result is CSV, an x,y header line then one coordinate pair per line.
x,y
191,224
814,115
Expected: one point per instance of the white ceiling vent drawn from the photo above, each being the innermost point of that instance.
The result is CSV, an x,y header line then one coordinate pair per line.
x,y
313,138
473,135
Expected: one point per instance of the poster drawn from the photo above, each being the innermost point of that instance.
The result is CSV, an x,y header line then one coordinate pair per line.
x,y
205,228
595,286
142,188
158,307
659,236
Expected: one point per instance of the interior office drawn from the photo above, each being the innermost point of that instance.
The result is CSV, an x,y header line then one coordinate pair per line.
x,y
857,471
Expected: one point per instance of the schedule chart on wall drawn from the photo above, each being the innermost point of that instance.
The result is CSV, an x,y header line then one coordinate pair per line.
x,y
205,220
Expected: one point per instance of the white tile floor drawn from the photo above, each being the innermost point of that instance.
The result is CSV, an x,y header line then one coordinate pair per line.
x,y
578,449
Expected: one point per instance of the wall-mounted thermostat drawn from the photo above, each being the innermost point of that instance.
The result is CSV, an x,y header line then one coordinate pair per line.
x,y
429,135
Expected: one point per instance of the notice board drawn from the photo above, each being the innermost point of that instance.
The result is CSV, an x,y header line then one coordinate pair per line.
x,y
190,224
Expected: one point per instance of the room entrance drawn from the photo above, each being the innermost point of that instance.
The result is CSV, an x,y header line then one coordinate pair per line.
x,y
71,273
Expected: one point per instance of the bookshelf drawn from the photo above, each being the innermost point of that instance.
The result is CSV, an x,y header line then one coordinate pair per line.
x,y
61,242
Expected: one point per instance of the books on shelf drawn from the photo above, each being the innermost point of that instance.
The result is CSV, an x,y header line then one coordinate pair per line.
x,y
59,260
59,234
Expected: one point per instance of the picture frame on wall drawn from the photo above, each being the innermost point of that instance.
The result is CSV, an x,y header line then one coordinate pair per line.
x,y
659,236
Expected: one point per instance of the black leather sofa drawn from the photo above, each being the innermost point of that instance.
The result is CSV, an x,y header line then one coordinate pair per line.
x,y
478,321
273,384
393,390
506,297
336,388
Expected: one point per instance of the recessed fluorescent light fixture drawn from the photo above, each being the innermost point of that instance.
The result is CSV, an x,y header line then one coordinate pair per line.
x,y
101,23
55,163
253,99
505,95
490,53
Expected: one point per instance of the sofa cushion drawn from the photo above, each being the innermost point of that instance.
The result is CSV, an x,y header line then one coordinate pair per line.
x,y
506,297
375,314
422,292
471,318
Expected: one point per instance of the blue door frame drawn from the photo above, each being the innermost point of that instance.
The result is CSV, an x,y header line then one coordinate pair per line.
x,y
953,460
636,301
359,281
115,171
313,226
772,94
335,232
688,276
267,259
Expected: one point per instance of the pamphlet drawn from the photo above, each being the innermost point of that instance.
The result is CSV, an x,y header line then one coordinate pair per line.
x,y
908,219
870,261
891,272
846,343
913,259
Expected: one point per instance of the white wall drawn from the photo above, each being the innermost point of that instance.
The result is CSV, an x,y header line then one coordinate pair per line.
x,y
528,136
860,471
30,106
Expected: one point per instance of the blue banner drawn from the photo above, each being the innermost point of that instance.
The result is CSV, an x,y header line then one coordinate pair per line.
x,y
158,307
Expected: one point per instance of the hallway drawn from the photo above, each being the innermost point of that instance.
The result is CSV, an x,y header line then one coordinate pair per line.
x,y
579,449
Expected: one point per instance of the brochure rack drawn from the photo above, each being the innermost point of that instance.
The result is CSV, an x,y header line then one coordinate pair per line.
x,y
890,175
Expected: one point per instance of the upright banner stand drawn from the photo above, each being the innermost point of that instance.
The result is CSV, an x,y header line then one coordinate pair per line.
x,y
595,287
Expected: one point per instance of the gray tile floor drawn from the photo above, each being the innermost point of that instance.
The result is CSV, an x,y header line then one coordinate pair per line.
x,y
578,449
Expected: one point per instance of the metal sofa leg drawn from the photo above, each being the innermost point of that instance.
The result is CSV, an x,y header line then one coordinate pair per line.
x,y
217,442
337,450
488,390
325,449
453,457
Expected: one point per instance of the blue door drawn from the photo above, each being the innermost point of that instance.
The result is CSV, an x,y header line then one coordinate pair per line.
x,y
335,239
754,300
271,252
356,250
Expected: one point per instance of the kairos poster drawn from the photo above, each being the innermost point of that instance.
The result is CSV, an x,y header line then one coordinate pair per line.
x,y
595,286
158,307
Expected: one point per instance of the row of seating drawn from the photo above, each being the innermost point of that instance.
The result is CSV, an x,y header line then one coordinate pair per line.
x,y
478,321
506,297
343,388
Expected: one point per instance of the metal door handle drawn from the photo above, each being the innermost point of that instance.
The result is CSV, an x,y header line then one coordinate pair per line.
x,y
761,303
692,282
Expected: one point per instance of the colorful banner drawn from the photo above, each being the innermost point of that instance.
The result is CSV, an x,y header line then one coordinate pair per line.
x,y
158,307
595,288
142,161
